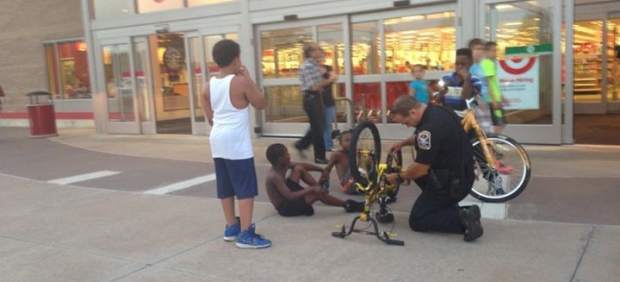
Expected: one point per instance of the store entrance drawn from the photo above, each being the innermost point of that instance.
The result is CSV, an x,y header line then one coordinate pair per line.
x,y
171,88
597,81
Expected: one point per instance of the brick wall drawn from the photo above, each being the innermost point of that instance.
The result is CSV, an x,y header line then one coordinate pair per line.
x,y
24,25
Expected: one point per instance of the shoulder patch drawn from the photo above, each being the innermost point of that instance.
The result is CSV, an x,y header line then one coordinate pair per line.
x,y
424,140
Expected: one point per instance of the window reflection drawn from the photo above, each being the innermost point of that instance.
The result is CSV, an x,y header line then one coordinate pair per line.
x,y
367,101
330,40
282,51
284,104
522,24
429,40
67,65
366,48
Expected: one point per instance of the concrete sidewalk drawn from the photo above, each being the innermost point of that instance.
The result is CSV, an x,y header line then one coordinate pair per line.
x,y
65,233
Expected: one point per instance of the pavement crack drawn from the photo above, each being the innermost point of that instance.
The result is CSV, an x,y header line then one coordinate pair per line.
x,y
583,252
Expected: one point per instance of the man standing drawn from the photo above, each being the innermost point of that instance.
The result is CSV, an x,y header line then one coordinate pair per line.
x,y
312,82
226,100
443,169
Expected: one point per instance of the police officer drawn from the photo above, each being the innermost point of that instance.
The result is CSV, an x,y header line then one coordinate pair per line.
x,y
443,168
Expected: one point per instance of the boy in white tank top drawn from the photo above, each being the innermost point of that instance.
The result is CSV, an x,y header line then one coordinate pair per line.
x,y
226,100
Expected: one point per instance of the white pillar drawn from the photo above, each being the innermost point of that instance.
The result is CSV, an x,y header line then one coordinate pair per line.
x,y
249,55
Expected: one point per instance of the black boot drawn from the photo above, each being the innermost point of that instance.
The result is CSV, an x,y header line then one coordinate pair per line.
x,y
470,217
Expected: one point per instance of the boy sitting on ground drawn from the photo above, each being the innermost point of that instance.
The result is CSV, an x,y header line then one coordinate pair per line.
x,y
287,195
340,160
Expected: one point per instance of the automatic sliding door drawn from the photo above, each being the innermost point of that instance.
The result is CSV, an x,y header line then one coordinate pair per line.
x,y
119,87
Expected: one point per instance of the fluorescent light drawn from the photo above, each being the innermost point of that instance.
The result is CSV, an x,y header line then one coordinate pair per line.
x,y
513,23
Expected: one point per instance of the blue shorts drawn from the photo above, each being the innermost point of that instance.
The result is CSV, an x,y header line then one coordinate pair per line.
x,y
236,178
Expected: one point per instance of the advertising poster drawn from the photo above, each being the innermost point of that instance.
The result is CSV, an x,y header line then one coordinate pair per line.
x,y
519,82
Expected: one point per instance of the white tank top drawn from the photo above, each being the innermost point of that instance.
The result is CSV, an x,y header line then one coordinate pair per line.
x,y
230,135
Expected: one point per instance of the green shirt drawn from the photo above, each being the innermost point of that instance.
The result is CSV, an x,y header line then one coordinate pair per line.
x,y
490,72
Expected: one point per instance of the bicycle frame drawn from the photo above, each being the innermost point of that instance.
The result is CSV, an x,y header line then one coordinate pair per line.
x,y
469,122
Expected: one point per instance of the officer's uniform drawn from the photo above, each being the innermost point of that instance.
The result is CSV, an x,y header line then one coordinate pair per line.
x,y
441,143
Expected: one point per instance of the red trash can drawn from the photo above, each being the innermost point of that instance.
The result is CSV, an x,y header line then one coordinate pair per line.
x,y
41,115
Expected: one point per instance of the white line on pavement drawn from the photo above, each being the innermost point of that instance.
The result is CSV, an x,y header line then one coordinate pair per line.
x,y
83,177
181,185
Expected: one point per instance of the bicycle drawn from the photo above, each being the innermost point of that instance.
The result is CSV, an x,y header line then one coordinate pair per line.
x,y
501,161
370,180
492,159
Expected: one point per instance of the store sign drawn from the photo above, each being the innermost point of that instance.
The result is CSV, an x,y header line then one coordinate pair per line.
x,y
519,82
530,50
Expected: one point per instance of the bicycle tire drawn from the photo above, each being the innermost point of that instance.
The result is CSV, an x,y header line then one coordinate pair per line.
x,y
355,139
479,158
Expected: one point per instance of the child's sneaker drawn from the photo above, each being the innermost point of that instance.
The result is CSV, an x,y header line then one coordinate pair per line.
x,y
231,232
250,240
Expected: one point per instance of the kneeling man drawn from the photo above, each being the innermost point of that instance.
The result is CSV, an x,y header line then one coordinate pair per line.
x,y
443,168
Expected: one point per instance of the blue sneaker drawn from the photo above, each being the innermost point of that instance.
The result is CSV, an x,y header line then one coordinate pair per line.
x,y
250,240
231,232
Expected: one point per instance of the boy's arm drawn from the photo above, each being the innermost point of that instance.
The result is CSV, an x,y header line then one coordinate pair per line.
x,y
280,184
205,100
333,160
251,90
307,166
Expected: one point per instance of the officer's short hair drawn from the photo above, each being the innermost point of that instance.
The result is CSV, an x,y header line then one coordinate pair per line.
x,y
403,105
225,51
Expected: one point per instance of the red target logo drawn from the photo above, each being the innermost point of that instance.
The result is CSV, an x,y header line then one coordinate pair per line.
x,y
517,65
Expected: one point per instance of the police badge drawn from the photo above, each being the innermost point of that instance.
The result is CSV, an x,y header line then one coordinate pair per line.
x,y
424,140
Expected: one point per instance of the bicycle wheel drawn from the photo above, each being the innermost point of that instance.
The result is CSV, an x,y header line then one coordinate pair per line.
x,y
365,153
510,175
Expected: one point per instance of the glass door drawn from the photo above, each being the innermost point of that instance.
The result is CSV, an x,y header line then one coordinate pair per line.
x,y
384,50
528,39
119,84
613,64
202,66
144,84
280,57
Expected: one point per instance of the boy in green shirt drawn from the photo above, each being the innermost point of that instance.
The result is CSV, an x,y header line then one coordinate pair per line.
x,y
496,101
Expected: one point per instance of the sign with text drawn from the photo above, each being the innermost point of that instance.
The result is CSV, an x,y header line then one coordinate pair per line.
x,y
519,82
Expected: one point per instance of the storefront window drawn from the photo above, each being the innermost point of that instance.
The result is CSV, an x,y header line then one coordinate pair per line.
x,y
523,32
282,51
366,51
613,58
67,65
588,36
192,3
330,40
149,6
284,104
367,101
428,40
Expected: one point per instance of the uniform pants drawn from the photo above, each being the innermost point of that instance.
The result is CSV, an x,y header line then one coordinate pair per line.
x,y
437,209
313,105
